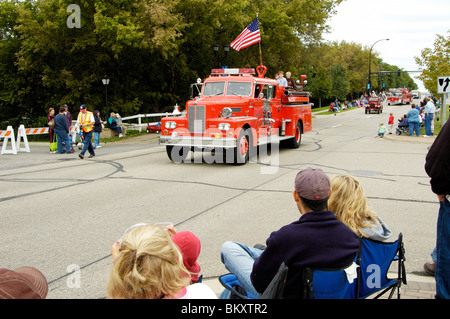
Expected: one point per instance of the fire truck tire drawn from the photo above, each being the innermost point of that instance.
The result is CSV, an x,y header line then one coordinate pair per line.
x,y
242,151
177,154
297,139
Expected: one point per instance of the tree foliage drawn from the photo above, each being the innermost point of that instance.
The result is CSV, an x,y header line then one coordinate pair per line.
x,y
151,50
434,62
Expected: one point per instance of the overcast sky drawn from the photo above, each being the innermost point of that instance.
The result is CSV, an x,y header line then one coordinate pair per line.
x,y
410,26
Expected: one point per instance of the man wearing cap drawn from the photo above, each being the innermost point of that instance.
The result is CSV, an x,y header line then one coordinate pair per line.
x,y
86,122
317,239
22,283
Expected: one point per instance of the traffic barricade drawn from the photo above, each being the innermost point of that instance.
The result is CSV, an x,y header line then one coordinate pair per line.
x,y
8,135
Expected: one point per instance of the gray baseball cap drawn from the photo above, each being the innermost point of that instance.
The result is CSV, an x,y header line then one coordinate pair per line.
x,y
312,184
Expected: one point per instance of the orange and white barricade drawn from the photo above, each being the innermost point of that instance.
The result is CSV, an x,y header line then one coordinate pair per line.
x,y
22,135
8,135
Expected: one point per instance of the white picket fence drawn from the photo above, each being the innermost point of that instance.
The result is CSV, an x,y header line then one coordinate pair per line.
x,y
139,125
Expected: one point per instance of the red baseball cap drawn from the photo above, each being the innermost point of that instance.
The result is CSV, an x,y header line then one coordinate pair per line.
x,y
189,246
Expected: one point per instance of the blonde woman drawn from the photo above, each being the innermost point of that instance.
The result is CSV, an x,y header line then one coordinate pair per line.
x,y
148,265
349,204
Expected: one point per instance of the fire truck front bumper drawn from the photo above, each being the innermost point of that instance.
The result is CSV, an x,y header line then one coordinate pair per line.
x,y
198,141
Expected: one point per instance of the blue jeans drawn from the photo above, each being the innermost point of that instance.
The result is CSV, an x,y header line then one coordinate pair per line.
x,y
239,260
442,272
414,126
116,128
427,124
87,146
63,136
96,139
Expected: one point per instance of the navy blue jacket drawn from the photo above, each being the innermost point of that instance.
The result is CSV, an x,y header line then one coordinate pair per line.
x,y
437,163
317,239
61,123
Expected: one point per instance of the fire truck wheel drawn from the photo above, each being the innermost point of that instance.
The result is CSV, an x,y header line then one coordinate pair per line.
x,y
297,139
241,152
177,154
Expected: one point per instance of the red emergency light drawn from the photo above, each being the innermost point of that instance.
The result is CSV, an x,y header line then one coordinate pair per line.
x,y
233,71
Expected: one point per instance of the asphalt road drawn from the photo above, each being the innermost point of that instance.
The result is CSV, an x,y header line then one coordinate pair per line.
x,y
61,214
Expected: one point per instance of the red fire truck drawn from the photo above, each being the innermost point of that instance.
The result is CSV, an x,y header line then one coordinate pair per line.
x,y
374,104
235,113
399,96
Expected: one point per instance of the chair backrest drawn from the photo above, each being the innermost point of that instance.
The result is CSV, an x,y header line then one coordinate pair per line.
x,y
328,284
375,260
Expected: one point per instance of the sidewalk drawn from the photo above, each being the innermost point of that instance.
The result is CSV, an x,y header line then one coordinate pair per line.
x,y
418,287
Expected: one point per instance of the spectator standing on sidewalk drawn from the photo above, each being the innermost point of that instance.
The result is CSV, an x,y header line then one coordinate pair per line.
x,y
437,166
62,132
429,116
413,120
98,125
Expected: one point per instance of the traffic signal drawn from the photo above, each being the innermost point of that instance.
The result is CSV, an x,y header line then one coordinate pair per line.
x,y
399,72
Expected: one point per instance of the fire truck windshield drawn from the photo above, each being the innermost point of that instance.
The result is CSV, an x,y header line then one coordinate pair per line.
x,y
232,88
239,88
214,88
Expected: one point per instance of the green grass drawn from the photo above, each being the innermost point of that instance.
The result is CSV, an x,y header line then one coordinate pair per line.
x,y
331,112
130,134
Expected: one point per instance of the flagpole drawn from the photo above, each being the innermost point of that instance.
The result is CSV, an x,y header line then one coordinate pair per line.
x,y
260,52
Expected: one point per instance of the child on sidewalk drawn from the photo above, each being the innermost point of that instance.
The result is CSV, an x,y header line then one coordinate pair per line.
x,y
391,122
381,130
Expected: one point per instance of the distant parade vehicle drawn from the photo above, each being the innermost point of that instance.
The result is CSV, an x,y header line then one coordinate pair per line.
x,y
234,113
399,96
374,104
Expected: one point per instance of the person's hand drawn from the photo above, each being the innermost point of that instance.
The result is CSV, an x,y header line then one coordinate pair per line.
x,y
171,229
115,251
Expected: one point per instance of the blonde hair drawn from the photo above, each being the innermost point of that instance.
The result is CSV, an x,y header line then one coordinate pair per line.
x,y
349,204
149,266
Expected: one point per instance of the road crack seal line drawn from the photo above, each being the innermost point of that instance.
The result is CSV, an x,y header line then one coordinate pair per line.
x,y
74,182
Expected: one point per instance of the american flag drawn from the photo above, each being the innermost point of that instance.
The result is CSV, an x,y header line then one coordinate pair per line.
x,y
249,36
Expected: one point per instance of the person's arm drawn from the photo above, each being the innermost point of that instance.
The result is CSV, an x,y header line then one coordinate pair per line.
x,y
437,164
267,265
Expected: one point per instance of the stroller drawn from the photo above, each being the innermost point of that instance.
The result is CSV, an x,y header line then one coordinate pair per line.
x,y
403,126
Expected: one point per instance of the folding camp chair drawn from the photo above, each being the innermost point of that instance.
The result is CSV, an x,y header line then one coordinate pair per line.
x,y
375,259
273,291
331,283
316,284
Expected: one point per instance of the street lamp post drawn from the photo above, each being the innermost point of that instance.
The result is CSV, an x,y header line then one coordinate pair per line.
x,y
226,49
369,84
105,81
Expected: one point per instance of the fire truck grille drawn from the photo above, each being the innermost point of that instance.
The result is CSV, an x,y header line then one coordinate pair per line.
x,y
196,118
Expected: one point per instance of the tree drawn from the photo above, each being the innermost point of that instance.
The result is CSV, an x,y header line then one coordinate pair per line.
x,y
339,81
150,49
434,62
319,84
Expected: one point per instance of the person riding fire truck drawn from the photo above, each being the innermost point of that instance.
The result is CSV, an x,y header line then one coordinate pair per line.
x,y
235,113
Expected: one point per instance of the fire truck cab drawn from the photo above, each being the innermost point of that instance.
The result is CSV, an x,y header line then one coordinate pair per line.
x,y
235,113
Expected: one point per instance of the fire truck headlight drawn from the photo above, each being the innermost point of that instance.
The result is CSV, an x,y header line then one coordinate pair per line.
x,y
226,112
170,125
224,126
